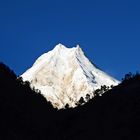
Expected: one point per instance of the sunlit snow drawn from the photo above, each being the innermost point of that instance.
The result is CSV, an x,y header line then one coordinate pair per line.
x,y
63,75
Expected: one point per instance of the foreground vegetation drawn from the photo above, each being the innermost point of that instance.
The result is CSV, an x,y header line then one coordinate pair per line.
x,y
25,114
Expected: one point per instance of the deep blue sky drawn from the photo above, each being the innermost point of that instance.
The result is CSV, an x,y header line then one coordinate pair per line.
x,y
107,30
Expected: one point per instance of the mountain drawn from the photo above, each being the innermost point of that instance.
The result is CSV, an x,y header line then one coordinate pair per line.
x,y
26,115
22,110
64,75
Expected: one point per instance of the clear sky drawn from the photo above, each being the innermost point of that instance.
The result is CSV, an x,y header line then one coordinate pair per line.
x,y
107,30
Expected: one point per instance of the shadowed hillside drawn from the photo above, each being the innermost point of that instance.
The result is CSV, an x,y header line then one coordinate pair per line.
x,y
25,114
22,111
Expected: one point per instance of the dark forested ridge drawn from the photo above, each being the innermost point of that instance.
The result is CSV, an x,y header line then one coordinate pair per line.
x,y
26,115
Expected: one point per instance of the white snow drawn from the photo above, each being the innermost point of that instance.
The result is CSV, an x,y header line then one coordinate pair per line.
x,y
63,75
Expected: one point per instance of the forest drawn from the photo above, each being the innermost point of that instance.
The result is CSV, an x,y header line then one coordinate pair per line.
x,y
25,114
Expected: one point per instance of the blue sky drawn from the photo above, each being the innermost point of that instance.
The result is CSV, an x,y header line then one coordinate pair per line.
x,y
107,30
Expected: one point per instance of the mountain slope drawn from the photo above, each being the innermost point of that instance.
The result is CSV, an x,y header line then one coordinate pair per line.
x,y
22,110
26,115
64,75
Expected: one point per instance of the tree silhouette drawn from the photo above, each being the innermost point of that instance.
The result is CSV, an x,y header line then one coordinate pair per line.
x,y
26,115
80,102
87,97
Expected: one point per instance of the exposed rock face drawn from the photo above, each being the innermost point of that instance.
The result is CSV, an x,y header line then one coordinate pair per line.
x,y
64,75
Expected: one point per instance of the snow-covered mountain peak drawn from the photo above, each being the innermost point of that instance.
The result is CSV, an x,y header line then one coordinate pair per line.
x,y
78,48
60,48
64,75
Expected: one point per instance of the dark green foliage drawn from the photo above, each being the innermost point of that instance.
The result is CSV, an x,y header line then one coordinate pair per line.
x,y
97,92
80,102
87,97
128,76
66,106
102,90
111,86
